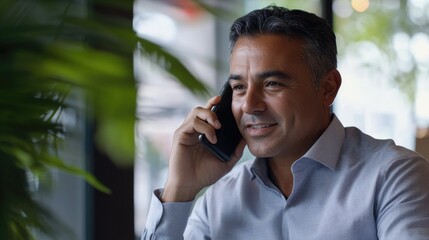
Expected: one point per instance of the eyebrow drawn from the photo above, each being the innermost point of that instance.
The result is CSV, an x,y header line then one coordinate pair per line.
x,y
234,77
274,73
262,75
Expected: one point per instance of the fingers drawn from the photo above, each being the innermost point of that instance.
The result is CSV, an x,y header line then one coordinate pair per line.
x,y
206,121
206,116
212,101
202,120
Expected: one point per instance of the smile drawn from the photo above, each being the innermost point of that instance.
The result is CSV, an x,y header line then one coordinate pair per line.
x,y
259,130
260,126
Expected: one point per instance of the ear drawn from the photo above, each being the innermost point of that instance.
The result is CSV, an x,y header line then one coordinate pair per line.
x,y
330,86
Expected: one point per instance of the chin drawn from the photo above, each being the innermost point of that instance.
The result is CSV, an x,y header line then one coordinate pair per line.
x,y
260,152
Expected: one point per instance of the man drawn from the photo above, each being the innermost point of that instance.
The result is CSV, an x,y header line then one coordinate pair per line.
x,y
312,178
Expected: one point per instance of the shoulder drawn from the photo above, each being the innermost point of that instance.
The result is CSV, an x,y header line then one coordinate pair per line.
x,y
365,147
383,160
379,159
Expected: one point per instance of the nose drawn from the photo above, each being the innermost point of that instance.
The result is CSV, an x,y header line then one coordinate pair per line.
x,y
253,101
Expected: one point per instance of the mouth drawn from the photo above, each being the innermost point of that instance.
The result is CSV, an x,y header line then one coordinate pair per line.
x,y
259,126
259,130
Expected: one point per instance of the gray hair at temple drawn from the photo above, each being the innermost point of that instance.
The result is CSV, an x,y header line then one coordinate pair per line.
x,y
320,49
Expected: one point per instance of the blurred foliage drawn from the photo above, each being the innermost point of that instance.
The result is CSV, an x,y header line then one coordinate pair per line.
x,y
378,25
49,48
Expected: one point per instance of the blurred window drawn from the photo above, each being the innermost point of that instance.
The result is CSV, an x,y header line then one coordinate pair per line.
x,y
384,58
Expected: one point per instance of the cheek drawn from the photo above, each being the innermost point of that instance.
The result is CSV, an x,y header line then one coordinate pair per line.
x,y
282,104
236,110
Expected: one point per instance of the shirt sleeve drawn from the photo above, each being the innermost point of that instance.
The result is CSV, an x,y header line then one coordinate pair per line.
x,y
402,209
166,220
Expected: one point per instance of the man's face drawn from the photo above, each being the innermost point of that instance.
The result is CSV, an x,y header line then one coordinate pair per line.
x,y
277,107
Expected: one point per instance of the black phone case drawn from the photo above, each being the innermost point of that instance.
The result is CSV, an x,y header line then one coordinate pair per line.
x,y
228,136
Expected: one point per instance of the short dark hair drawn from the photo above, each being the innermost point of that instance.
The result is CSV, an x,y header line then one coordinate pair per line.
x,y
320,49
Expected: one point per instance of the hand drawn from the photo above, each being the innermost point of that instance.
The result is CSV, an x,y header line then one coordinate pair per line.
x,y
191,166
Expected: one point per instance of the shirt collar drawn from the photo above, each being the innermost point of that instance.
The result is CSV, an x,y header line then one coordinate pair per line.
x,y
259,168
325,150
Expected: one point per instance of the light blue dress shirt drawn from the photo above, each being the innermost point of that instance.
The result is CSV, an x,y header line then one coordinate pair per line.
x,y
347,186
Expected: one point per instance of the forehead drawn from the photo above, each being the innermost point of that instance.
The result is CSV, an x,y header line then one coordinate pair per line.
x,y
266,51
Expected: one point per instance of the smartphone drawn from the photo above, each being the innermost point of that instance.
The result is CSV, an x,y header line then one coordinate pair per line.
x,y
228,136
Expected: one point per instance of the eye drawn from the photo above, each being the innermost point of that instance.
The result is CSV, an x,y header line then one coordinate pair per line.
x,y
237,87
272,84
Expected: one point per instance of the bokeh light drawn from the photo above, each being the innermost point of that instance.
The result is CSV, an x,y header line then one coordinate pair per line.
x,y
360,5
